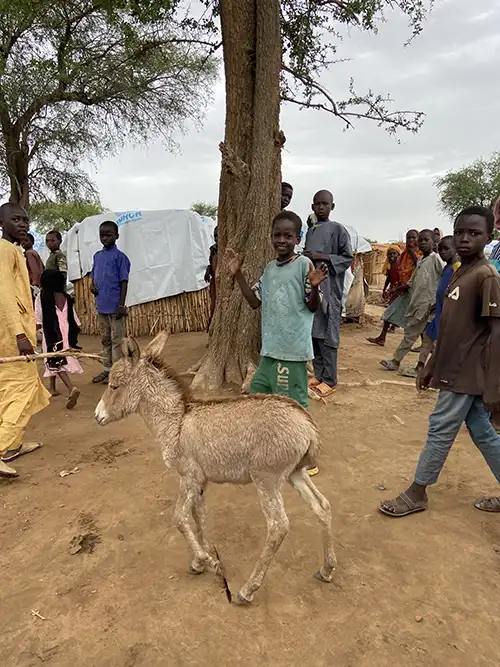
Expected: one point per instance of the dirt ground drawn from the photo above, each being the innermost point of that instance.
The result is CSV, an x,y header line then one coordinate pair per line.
x,y
123,598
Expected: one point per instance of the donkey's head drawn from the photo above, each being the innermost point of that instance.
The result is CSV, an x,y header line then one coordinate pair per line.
x,y
138,378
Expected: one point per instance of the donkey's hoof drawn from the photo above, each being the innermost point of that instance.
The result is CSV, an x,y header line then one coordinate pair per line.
x,y
240,600
194,570
323,577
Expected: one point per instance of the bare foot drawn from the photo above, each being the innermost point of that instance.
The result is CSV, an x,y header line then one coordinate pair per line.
x,y
54,392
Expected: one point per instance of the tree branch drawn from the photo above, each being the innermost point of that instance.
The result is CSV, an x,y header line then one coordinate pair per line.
x,y
377,112
309,83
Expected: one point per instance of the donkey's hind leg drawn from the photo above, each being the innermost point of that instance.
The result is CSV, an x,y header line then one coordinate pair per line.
x,y
271,502
188,492
198,512
302,483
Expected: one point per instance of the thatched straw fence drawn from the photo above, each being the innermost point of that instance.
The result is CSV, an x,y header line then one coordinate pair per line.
x,y
181,313
373,263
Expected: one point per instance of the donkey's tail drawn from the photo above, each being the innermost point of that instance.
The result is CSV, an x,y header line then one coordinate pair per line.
x,y
309,460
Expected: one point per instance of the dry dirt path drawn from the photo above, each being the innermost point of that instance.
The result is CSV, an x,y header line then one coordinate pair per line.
x,y
130,602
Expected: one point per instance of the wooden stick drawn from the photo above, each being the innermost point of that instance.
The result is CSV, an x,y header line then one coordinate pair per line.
x,y
50,355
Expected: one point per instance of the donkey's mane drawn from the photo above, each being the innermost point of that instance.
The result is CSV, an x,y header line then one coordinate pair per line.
x,y
190,402
169,373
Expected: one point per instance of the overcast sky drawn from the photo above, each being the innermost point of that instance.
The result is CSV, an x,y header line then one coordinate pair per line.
x,y
380,187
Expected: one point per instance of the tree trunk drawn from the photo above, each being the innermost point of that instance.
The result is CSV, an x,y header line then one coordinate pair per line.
x,y
249,194
17,167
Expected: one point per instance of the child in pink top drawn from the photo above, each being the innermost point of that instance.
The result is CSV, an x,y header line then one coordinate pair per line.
x,y
60,326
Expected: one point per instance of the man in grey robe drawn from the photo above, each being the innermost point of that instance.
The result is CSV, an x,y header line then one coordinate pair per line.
x,y
329,242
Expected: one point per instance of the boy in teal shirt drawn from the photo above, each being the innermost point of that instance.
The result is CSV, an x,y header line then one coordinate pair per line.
x,y
288,292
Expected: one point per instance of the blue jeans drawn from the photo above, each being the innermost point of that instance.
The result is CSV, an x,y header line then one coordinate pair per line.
x,y
451,411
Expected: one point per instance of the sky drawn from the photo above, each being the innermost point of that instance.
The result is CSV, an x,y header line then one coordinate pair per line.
x,y
381,187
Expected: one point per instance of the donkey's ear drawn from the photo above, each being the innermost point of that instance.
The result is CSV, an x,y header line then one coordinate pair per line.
x,y
156,347
130,349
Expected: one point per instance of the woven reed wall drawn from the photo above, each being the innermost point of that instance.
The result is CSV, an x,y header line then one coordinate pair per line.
x,y
373,263
181,313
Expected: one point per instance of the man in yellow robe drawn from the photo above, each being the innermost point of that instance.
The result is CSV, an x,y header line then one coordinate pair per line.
x,y
22,393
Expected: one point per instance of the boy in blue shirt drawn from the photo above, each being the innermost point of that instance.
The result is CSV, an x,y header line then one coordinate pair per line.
x,y
110,274
288,292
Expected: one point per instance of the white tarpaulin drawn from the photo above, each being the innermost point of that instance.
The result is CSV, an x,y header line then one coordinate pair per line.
x,y
168,250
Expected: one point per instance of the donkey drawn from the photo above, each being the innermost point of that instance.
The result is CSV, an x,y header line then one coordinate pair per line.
x,y
266,440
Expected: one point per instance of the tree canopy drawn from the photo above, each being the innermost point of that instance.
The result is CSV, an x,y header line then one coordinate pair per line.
x,y
477,183
49,215
80,77
205,208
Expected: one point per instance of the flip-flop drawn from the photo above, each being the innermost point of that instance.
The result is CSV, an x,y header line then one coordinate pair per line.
x,y
488,505
73,398
6,472
324,390
403,506
408,372
389,365
25,448
375,341
102,377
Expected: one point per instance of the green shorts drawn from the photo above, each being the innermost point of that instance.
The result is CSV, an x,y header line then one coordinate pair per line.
x,y
286,378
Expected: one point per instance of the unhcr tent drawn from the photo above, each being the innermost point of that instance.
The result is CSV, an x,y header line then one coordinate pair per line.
x,y
168,251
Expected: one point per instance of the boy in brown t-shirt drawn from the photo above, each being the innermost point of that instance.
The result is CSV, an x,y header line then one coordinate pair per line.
x,y
465,366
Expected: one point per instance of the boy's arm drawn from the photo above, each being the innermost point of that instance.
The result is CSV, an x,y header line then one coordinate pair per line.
x,y
93,287
491,395
9,309
337,263
62,263
491,309
311,286
123,275
249,293
233,263
121,310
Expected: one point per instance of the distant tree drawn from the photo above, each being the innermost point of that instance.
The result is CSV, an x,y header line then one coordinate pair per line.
x,y
205,208
78,79
478,183
49,215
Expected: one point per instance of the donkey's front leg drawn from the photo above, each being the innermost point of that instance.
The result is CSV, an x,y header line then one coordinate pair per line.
x,y
189,492
273,508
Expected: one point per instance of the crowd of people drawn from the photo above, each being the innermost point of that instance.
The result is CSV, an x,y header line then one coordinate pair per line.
x,y
441,290
35,305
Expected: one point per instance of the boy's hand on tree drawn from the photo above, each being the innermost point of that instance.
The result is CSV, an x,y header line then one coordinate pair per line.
x,y
316,276
23,345
232,261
